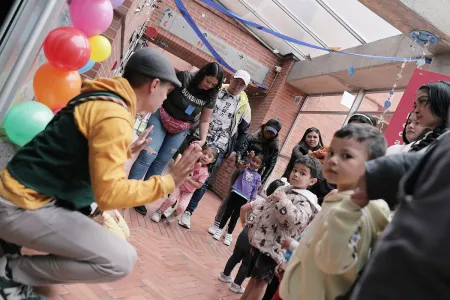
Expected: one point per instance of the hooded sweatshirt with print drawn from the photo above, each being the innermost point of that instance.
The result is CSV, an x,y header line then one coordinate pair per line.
x,y
80,156
334,248
273,221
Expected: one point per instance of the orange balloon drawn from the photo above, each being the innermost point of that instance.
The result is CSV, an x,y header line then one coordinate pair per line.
x,y
54,87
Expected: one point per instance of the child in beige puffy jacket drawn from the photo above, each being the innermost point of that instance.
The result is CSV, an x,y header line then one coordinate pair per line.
x,y
336,245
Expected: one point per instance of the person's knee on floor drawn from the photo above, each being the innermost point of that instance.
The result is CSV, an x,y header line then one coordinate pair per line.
x,y
118,262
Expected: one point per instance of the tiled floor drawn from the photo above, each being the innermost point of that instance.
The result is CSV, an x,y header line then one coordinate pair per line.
x,y
174,263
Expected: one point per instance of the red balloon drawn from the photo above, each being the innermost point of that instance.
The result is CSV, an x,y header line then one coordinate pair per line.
x,y
67,48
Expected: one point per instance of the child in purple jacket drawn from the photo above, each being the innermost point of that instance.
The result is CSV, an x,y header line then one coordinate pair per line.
x,y
244,189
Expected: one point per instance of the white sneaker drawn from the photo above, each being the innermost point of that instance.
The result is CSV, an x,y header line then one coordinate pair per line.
x,y
218,234
156,217
213,229
228,239
225,278
185,220
238,289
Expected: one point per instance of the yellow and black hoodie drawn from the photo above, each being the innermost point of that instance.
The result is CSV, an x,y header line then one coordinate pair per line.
x,y
79,158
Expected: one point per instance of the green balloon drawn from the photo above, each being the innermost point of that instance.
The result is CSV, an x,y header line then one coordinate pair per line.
x,y
25,120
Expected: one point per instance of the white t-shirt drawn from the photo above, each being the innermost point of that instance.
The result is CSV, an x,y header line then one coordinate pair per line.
x,y
219,132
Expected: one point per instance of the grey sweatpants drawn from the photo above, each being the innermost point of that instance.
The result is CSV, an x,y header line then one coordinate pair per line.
x,y
223,205
80,250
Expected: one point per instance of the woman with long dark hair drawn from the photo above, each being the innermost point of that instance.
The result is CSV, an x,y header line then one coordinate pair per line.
x,y
431,108
412,134
195,98
311,142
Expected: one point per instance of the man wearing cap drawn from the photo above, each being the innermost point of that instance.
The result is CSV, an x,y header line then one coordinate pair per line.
x,y
229,125
265,140
78,159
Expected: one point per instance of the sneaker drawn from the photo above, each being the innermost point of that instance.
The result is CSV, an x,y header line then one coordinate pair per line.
x,y
13,290
8,248
142,210
185,220
213,229
168,212
156,217
238,289
228,239
218,234
225,278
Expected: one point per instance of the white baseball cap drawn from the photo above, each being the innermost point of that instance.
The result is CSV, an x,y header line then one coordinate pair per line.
x,y
242,75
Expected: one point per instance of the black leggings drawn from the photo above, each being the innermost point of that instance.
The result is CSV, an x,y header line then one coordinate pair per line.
x,y
241,252
235,202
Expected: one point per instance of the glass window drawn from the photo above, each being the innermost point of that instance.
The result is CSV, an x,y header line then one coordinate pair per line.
x,y
373,103
31,15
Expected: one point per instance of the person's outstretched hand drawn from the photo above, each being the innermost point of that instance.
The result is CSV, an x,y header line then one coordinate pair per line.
x,y
142,141
186,164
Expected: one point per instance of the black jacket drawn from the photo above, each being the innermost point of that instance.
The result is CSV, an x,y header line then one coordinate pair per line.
x,y
271,150
298,151
411,261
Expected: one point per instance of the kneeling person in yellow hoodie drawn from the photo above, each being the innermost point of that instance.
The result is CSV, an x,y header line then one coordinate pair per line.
x,y
79,158
336,245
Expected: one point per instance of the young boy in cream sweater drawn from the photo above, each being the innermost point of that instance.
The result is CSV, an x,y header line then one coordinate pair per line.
x,y
335,246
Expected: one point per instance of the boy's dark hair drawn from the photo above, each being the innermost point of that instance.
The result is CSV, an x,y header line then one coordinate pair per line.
x,y
312,163
273,186
365,133
138,80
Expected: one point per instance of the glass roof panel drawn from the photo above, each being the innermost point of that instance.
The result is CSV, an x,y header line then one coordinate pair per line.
x,y
332,23
369,25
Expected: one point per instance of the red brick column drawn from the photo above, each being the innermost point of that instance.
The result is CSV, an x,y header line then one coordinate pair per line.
x,y
125,21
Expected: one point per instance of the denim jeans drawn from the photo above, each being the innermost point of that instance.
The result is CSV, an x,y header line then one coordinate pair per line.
x,y
164,143
198,194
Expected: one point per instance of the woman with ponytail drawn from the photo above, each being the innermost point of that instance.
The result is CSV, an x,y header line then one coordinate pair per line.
x,y
431,108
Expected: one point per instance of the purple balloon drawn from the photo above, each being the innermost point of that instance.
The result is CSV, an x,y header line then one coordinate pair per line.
x,y
93,17
116,3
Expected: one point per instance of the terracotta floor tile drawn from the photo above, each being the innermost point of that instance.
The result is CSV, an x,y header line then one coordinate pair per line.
x,y
174,262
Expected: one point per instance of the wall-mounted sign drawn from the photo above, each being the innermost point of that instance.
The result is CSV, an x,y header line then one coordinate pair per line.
x,y
178,26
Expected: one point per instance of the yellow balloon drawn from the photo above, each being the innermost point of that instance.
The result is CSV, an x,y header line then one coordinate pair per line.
x,y
100,48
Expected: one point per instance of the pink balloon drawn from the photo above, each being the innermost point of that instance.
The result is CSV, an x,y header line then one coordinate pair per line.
x,y
116,3
92,17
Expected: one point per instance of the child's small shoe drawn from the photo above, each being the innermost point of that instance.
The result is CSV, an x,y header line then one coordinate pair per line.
x,y
238,289
213,229
156,217
228,239
225,278
218,234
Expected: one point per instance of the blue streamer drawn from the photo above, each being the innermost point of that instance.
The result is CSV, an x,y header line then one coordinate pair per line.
x,y
295,41
197,30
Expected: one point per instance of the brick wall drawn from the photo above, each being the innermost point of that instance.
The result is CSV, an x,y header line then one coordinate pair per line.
x,y
125,21
220,25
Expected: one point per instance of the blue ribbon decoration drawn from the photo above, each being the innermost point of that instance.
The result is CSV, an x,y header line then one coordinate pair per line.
x,y
285,37
191,22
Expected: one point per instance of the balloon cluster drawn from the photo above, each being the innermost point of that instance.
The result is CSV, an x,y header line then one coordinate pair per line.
x,y
70,51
